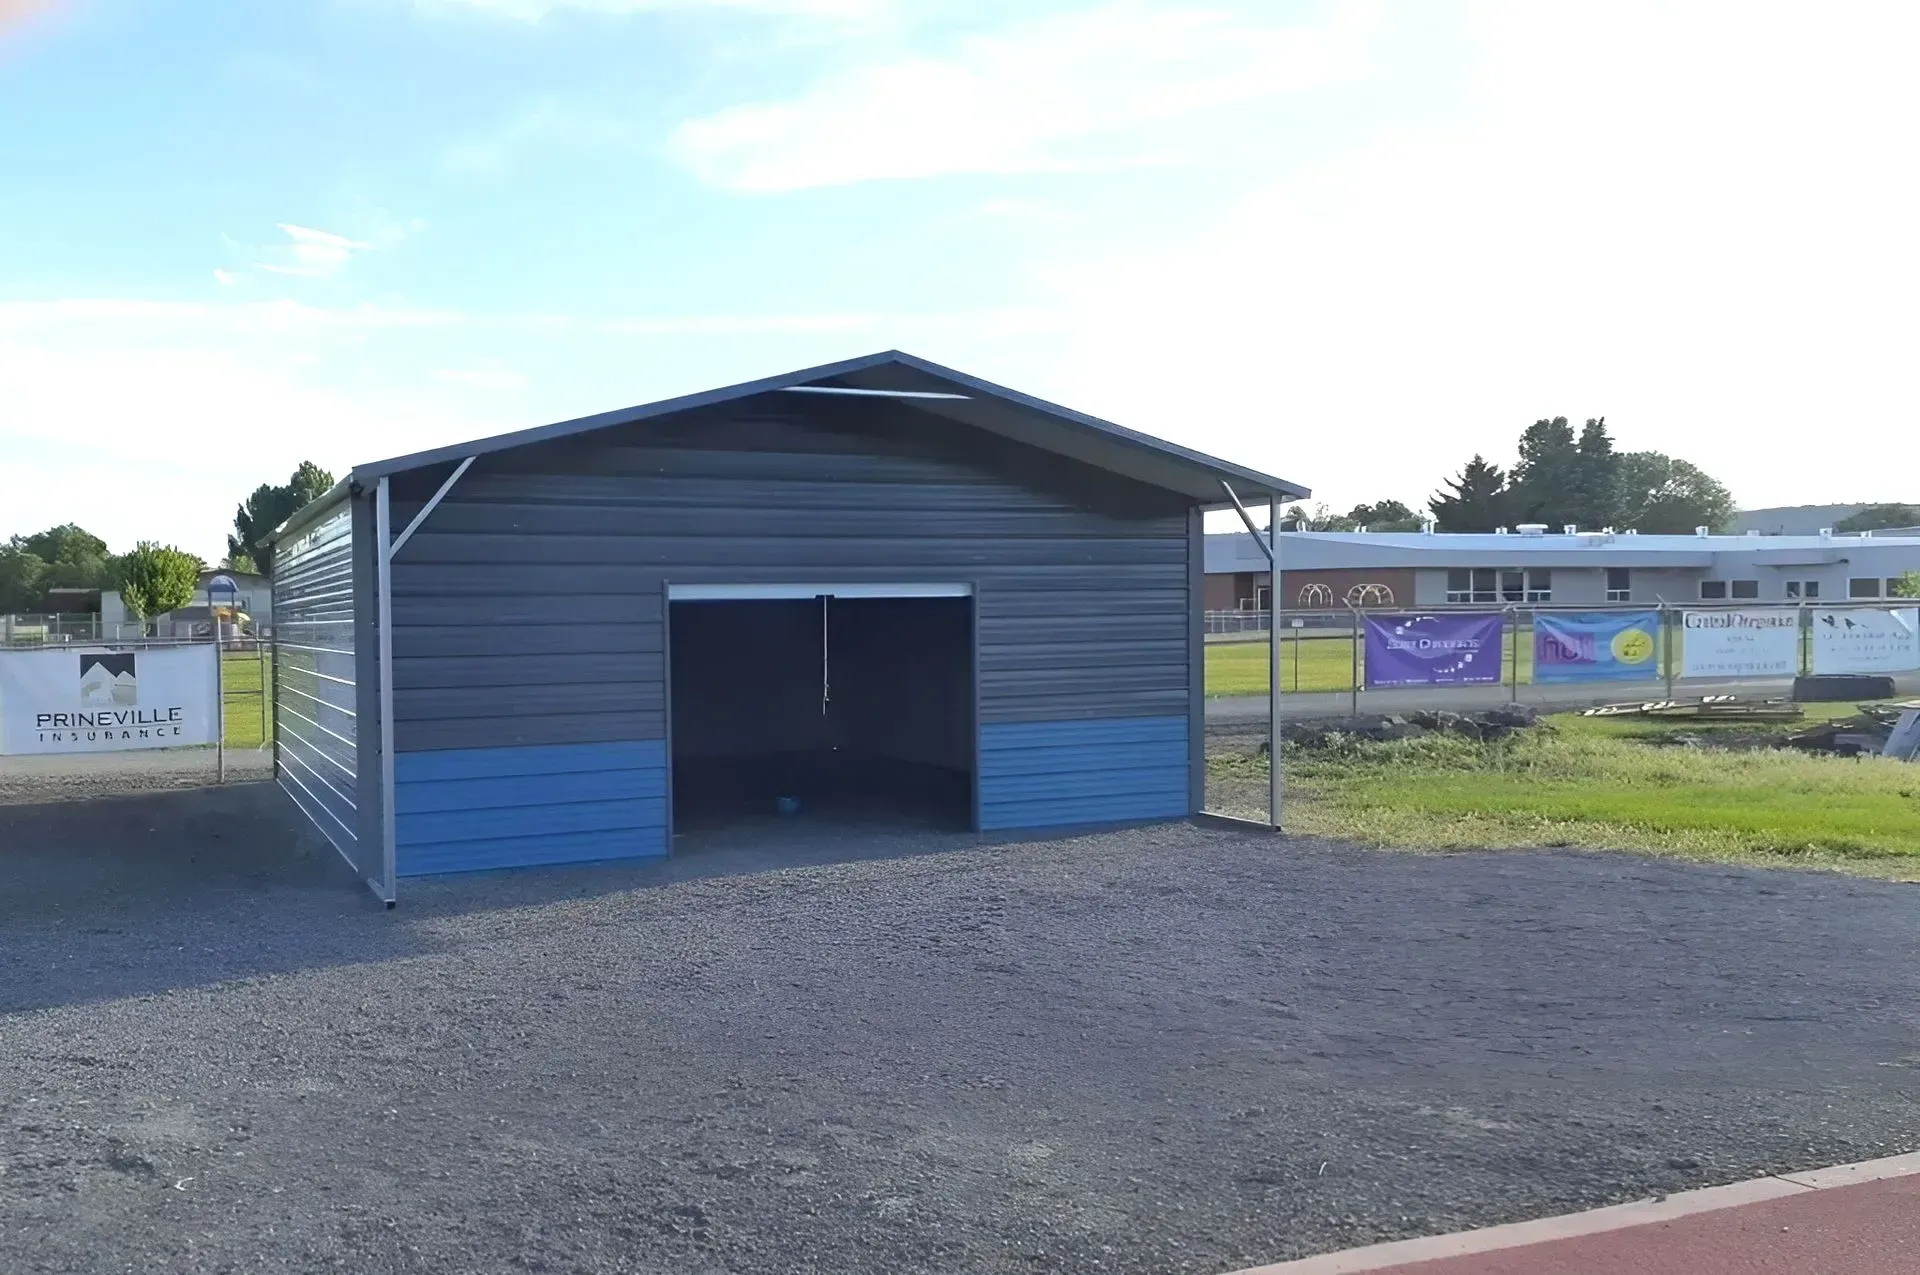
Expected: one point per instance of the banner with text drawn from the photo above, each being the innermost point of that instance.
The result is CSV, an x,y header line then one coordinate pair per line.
x,y
1434,650
1596,646
97,701
1866,641
1755,643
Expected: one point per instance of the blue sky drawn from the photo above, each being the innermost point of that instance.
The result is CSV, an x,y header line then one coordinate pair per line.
x,y
1350,243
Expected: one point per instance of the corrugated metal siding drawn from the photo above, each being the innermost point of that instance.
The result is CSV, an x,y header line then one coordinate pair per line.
x,y
467,809
528,610
1042,774
315,723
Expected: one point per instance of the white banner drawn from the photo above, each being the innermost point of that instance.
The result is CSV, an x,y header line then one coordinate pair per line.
x,y
1740,643
1866,641
97,700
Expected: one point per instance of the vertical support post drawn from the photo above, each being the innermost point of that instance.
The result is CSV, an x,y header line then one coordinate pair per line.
x,y
219,707
383,561
1666,642
1513,667
260,655
1276,781
273,671
1354,690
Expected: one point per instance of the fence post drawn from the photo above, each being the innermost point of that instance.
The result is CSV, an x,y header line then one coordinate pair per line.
x,y
219,708
1513,659
1354,690
1666,644
273,671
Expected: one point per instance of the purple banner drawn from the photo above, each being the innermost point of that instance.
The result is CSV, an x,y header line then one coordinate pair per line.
x,y
1434,650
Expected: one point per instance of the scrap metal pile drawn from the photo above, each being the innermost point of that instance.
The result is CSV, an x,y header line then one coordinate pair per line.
x,y
1875,730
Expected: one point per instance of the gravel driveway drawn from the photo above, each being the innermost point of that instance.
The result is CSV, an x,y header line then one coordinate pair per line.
x,y
1161,1050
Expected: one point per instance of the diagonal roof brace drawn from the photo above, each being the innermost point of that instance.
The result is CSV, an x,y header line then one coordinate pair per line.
x,y
1247,518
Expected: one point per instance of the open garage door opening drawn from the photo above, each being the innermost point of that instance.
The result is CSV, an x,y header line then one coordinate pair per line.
x,y
846,707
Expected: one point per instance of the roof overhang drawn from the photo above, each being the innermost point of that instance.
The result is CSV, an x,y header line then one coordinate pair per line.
x,y
923,386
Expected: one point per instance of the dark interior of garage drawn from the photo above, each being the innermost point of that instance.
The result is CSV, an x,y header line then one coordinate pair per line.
x,y
856,710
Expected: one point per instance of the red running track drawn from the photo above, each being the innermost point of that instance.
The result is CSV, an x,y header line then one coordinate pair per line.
x,y
1872,1228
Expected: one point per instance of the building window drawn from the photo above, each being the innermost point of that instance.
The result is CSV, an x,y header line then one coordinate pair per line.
x,y
1263,597
1863,587
1746,588
1812,589
1475,585
1513,586
1539,584
1799,589
1619,584
1713,590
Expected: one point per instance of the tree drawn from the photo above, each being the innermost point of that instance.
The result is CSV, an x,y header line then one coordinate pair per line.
x,y
1546,479
1596,478
1908,585
1386,515
1476,499
156,579
1875,517
74,558
22,578
269,506
1663,496
241,562
1319,518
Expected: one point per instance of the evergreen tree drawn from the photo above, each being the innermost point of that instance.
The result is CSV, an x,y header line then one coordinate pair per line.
x,y
1474,500
1545,482
1596,478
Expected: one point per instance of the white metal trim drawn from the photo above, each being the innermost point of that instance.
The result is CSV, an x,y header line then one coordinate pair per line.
x,y
859,393
777,592
383,566
425,509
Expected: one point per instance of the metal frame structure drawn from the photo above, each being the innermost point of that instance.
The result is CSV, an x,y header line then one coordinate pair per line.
x,y
387,546
1270,546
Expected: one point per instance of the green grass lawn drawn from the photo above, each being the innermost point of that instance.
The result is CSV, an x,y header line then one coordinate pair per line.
x,y
1324,664
240,688
1595,785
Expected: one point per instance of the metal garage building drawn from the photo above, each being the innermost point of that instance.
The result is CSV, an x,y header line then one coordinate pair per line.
x,y
879,584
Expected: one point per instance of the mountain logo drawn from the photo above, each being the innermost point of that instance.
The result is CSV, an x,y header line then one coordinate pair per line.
x,y
108,679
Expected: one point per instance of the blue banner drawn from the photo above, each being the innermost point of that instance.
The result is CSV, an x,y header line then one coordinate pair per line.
x,y
1434,650
1596,646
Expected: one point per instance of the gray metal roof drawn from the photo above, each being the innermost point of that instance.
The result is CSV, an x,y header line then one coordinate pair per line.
x,y
964,398
1229,552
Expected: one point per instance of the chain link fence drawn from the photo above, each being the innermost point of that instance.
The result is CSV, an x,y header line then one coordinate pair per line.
x,y
245,753
1538,657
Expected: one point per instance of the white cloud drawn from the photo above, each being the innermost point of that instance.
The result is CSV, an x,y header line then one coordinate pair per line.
x,y
538,126
483,376
1063,92
197,403
1695,220
225,278
312,254
536,10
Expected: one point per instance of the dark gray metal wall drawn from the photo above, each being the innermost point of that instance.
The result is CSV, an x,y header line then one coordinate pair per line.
x,y
561,552
528,610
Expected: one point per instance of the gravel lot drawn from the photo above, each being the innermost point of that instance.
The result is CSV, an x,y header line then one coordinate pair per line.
x,y
1161,1050
27,780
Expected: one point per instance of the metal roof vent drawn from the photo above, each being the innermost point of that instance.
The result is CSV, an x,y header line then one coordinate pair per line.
x,y
1429,527
1570,528
1867,534
1826,533
1532,529
1499,531
1633,531
1702,532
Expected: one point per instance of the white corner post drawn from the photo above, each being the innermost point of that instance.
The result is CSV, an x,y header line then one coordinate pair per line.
x,y
388,547
1276,781
383,565
1270,546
